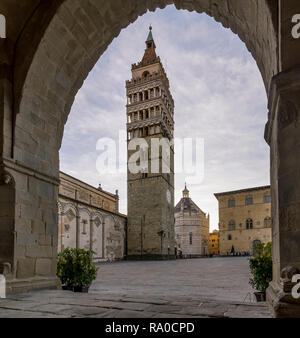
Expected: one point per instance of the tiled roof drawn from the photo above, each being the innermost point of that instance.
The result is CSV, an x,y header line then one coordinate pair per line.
x,y
188,205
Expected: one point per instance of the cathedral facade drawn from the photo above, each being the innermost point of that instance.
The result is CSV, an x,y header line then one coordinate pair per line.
x,y
191,228
150,121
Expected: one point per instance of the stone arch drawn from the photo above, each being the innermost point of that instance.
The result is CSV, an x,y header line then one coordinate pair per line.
x,y
94,215
75,35
98,235
107,217
49,50
68,227
66,206
84,228
84,210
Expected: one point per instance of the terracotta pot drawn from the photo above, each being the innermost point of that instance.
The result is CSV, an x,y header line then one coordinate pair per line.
x,y
260,296
82,288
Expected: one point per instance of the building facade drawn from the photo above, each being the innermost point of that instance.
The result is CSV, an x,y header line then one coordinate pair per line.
x,y
150,113
89,219
214,248
191,228
244,219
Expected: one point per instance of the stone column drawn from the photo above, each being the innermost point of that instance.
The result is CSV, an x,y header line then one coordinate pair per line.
x,y
283,135
77,232
91,233
103,239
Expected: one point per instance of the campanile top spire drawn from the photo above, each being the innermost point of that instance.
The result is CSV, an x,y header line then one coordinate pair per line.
x,y
150,54
150,37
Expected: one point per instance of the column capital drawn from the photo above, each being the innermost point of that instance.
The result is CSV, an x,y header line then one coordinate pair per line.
x,y
284,100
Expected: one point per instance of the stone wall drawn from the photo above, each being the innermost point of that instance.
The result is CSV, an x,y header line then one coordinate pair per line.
x,y
233,219
88,218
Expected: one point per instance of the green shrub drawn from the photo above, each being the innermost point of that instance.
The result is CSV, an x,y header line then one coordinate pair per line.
x,y
261,267
75,267
65,267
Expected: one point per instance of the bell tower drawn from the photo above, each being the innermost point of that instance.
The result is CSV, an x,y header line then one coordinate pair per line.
x,y
150,118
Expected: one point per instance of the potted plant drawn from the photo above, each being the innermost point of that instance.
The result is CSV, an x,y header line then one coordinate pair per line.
x,y
65,268
76,269
261,270
84,270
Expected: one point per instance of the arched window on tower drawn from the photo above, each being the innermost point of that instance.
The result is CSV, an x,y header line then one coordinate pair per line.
x,y
229,237
145,74
249,223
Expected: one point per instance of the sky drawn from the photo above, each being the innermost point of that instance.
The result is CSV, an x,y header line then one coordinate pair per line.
x,y
219,98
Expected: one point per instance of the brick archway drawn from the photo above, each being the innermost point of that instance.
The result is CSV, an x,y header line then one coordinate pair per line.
x,y
44,63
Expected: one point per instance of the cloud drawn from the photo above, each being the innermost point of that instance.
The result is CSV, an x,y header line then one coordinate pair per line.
x,y
219,96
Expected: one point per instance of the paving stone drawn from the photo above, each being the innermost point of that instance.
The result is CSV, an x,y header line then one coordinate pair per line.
x,y
139,292
52,308
149,300
131,314
174,315
28,314
17,304
165,308
84,311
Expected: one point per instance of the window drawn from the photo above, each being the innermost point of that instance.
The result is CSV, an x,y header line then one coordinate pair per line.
x,y
146,73
267,199
231,225
231,203
84,225
191,238
267,222
249,223
249,200
229,237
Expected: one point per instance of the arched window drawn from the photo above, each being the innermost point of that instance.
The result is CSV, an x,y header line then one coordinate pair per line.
x,y
231,225
249,223
191,238
229,237
267,222
145,74
231,203
249,200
